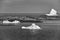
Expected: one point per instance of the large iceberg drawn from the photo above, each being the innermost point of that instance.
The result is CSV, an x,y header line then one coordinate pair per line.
x,y
52,13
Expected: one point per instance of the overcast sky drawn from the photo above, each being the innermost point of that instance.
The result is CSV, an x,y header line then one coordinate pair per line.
x,y
28,6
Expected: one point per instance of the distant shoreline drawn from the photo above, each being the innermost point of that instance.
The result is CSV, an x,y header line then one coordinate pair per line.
x,y
21,14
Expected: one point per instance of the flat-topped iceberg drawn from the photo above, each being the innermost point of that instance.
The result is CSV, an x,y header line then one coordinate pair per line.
x,y
7,22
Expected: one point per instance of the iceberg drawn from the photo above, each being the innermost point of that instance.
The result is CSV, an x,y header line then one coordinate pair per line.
x,y
15,21
33,26
8,22
34,29
52,13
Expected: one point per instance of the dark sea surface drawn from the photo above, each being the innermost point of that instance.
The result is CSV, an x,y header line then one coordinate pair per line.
x,y
49,31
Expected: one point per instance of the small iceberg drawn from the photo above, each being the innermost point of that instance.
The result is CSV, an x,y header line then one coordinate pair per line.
x,y
33,26
15,21
52,13
8,22
34,29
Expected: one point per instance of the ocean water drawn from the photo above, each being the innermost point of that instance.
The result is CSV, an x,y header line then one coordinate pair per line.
x,y
49,31
16,33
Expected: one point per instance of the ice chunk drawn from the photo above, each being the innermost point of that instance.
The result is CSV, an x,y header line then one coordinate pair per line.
x,y
15,21
33,26
52,13
6,22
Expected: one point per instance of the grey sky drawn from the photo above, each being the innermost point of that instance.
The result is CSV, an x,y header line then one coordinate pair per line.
x,y
29,6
